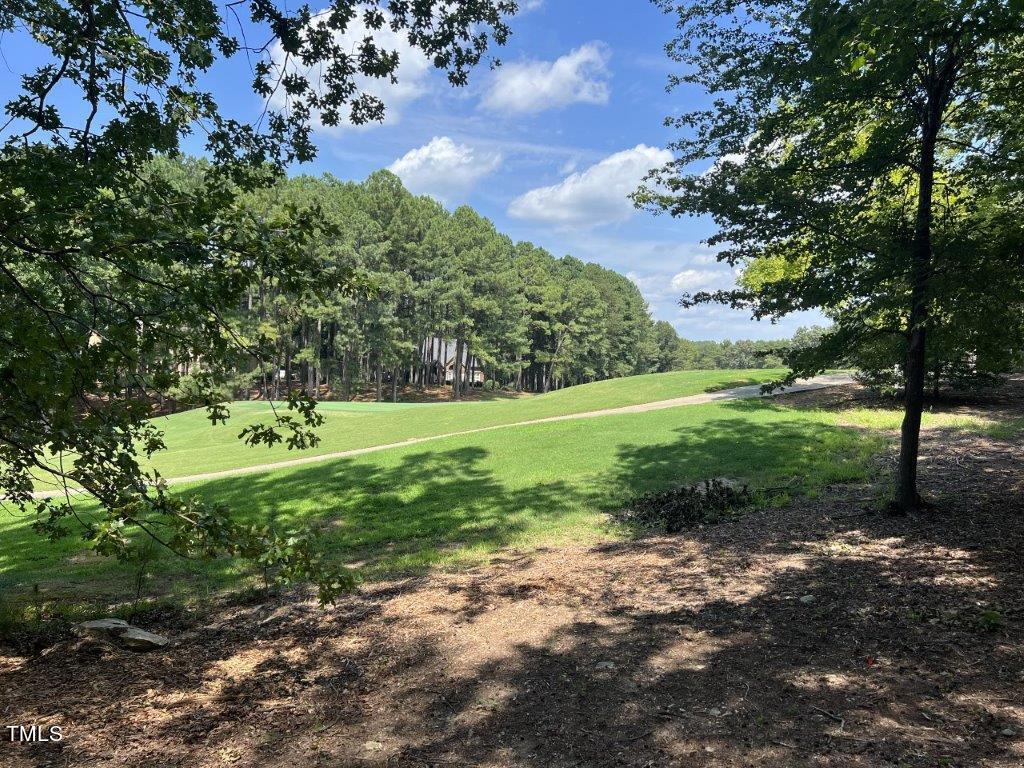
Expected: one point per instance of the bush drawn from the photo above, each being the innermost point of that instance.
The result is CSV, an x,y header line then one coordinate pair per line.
x,y
193,390
676,509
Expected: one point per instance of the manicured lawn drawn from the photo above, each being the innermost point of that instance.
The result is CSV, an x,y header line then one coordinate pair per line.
x,y
459,499
194,446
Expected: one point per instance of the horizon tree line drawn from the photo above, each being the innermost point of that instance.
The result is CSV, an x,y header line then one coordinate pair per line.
x,y
440,299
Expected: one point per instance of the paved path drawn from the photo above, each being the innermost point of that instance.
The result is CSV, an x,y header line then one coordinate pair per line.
x,y
736,393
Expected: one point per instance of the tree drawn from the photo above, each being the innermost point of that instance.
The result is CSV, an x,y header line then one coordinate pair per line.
x,y
523,318
130,273
838,133
667,340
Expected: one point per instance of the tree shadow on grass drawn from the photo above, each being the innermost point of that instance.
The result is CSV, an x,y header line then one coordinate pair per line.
x,y
400,514
407,510
807,637
415,509
813,453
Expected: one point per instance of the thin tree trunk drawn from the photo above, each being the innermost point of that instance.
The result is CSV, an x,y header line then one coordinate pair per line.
x,y
287,370
907,498
346,374
457,371
318,360
304,366
277,372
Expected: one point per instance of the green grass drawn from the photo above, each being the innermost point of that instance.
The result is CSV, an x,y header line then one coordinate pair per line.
x,y
459,499
890,419
194,446
1006,430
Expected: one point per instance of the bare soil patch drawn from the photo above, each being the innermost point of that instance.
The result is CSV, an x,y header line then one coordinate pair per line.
x,y
823,634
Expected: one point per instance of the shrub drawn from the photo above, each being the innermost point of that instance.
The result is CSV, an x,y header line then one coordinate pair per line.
x,y
712,501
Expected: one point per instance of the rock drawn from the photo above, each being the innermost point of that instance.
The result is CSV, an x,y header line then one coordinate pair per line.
x,y
807,599
373,746
1008,732
122,634
715,712
605,665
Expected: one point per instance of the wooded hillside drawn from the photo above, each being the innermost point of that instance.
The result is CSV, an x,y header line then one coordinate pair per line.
x,y
443,297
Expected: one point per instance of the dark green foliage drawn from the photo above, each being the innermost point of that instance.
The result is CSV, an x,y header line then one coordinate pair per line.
x,y
118,269
677,509
991,620
865,158
676,354
442,287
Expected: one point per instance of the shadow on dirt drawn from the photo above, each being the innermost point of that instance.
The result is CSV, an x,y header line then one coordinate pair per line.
x,y
823,634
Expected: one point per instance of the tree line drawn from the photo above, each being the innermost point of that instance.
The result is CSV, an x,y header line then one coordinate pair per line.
x,y
410,294
683,354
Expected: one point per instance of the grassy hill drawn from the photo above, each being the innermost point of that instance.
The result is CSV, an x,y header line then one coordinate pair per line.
x,y
194,446
459,499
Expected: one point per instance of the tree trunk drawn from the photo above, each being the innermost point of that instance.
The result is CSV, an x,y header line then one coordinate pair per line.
x,y
287,371
457,371
332,355
304,374
277,372
394,384
907,498
318,363
380,379
346,374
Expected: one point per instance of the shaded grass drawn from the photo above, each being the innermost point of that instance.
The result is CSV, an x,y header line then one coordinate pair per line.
x,y
463,498
1005,430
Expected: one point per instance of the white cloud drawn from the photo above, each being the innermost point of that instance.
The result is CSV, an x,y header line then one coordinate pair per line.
x,y
581,76
412,74
569,166
592,197
693,280
659,287
443,168
729,158
530,5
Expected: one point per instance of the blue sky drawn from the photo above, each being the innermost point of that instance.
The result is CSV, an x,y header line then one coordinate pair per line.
x,y
547,146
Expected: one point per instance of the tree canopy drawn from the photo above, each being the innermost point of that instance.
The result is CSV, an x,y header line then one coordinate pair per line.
x,y
448,300
122,274
865,159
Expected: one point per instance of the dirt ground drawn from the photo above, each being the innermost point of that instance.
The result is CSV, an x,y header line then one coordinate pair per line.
x,y
822,634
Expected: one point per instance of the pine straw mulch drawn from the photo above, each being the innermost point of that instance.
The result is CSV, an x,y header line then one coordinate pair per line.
x,y
824,634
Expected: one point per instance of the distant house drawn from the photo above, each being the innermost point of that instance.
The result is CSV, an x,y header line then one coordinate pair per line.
x,y
476,376
444,350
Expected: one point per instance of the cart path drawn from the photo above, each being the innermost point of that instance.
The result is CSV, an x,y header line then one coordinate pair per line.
x,y
735,393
